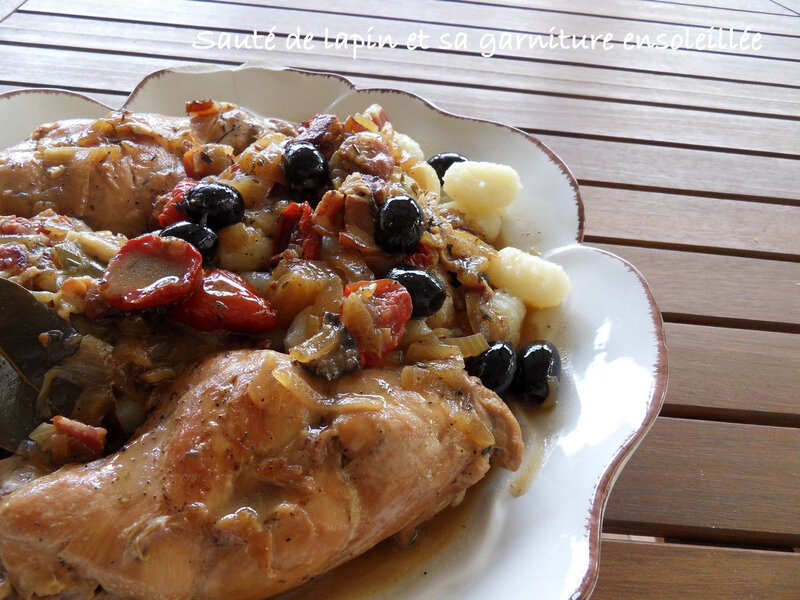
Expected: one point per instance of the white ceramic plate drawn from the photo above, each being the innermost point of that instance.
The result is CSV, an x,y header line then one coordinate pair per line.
x,y
543,544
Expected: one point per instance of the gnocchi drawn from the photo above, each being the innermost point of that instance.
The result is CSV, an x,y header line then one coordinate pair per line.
x,y
482,187
539,283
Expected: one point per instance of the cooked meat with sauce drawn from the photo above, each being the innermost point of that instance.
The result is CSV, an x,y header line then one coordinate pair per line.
x,y
110,171
253,477
267,347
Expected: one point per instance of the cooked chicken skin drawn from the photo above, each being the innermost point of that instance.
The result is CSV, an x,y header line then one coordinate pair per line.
x,y
110,171
253,476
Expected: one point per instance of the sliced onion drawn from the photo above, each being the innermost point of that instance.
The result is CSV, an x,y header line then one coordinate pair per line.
x,y
42,434
421,351
416,330
130,414
293,381
471,345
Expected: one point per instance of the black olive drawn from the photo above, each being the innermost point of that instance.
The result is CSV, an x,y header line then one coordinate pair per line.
x,y
199,236
426,290
399,225
305,169
495,367
214,204
442,161
538,372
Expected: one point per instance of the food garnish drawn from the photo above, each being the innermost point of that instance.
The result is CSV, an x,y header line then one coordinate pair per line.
x,y
201,237
287,345
538,373
174,207
151,271
306,170
295,228
375,313
33,339
214,204
443,161
225,301
495,367
427,291
399,225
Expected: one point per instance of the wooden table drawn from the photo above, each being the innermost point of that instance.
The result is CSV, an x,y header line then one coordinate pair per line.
x,y
689,165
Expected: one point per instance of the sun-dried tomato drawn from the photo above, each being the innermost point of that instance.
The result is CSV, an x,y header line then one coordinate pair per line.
x,y
151,271
173,210
423,257
296,227
226,301
389,307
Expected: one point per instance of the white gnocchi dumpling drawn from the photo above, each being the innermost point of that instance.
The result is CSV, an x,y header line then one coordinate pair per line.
x,y
488,222
482,187
482,191
539,283
426,177
409,146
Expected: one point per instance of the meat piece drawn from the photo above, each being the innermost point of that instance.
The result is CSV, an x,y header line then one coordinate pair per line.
x,y
110,171
252,477
324,131
366,153
225,123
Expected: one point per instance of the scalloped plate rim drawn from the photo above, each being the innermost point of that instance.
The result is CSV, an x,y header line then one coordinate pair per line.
x,y
660,373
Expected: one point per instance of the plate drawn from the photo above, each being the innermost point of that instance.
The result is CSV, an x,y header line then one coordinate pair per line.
x,y
542,543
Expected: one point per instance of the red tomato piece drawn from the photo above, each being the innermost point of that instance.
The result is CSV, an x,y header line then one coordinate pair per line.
x,y
422,257
389,305
173,209
226,301
296,226
152,271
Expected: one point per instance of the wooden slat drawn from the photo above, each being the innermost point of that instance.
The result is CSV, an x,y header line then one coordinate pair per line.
x,y
707,286
634,123
543,78
702,13
759,6
7,7
793,5
669,169
107,73
570,115
243,18
593,160
579,16
637,570
695,480
733,374
750,228
711,481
